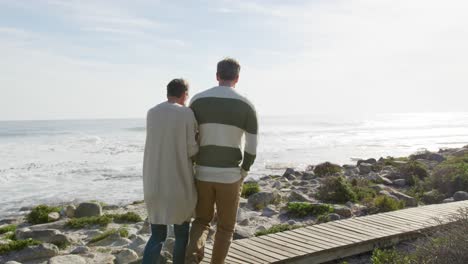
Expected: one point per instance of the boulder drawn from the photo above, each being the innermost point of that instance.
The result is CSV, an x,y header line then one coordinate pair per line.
x,y
276,185
80,250
448,200
399,182
370,161
243,232
334,217
60,224
262,199
138,245
343,211
296,196
460,196
126,256
427,155
364,168
46,235
269,211
29,253
409,201
309,175
70,211
114,240
12,262
88,209
52,217
432,197
244,222
67,259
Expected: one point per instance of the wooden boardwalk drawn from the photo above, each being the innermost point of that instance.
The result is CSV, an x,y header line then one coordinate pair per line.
x,y
339,239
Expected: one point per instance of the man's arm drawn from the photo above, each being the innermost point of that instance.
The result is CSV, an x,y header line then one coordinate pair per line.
x,y
191,132
251,141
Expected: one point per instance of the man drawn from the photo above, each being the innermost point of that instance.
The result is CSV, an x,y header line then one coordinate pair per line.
x,y
224,117
168,181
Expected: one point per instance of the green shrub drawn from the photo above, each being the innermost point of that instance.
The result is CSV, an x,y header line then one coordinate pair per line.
x,y
302,209
82,222
10,236
250,188
336,190
412,171
451,176
39,214
17,245
432,197
362,189
389,256
323,218
383,203
327,169
8,228
129,217
276,229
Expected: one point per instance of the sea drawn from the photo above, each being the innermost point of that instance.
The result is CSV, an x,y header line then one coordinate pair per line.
x,y
61,161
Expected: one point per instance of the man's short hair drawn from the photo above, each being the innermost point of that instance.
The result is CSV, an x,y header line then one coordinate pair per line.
x,y
177,87
228,69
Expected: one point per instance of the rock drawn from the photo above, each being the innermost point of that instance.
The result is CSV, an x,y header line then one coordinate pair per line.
x,y
260,228
460,196
276,185
295,196
80,250
388,194
243,202
384,180
47,235
289,171
342,211
409,201
146,228
290,177
243,232
291,222
365,168
29,253
67,259
126,256
60,224
138,245
448,200
169,245
244,222
102,258
110,207
262,199
334,217
113,240
426,155
370,161
432,197
70,211
88,209
308,175
12,262
52,217
269,211
400,182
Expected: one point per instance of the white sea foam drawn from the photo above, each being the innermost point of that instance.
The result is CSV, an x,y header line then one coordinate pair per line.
x,y
59,161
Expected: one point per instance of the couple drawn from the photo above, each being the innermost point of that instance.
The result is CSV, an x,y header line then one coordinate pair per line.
x,y
208,134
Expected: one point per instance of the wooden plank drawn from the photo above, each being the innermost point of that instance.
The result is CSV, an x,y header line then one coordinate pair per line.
x,y
315,239
358,229
286,243
315,235
373,228
297,240
256,253
352,232
335,234
305,240
261,248
387,224
231,256
356,236
277,249
401,222
241,255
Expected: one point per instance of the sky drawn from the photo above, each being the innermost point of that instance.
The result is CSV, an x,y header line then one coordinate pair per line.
x,y
113,59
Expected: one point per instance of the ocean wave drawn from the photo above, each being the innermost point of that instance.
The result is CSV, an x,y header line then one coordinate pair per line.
x,y
136,129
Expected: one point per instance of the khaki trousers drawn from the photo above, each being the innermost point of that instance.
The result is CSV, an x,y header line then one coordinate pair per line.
x,y
226,198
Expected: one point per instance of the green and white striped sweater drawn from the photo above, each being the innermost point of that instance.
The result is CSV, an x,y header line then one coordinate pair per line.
x,y
224,117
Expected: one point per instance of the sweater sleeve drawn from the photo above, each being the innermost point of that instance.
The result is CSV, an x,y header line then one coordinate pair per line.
x,y
251,139
191,133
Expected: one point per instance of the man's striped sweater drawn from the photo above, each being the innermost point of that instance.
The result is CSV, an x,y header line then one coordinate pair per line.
x,y
224,117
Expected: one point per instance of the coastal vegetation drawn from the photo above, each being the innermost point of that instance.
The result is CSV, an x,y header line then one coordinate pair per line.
x,y
122,232
40,214
302,209
249,188
327,169
15,245
7,228
336,189
276,229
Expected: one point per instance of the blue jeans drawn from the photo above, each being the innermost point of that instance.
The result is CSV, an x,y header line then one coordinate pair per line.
x,y
156,241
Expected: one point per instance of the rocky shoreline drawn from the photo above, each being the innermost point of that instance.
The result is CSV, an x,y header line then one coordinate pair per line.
x,y
93,232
